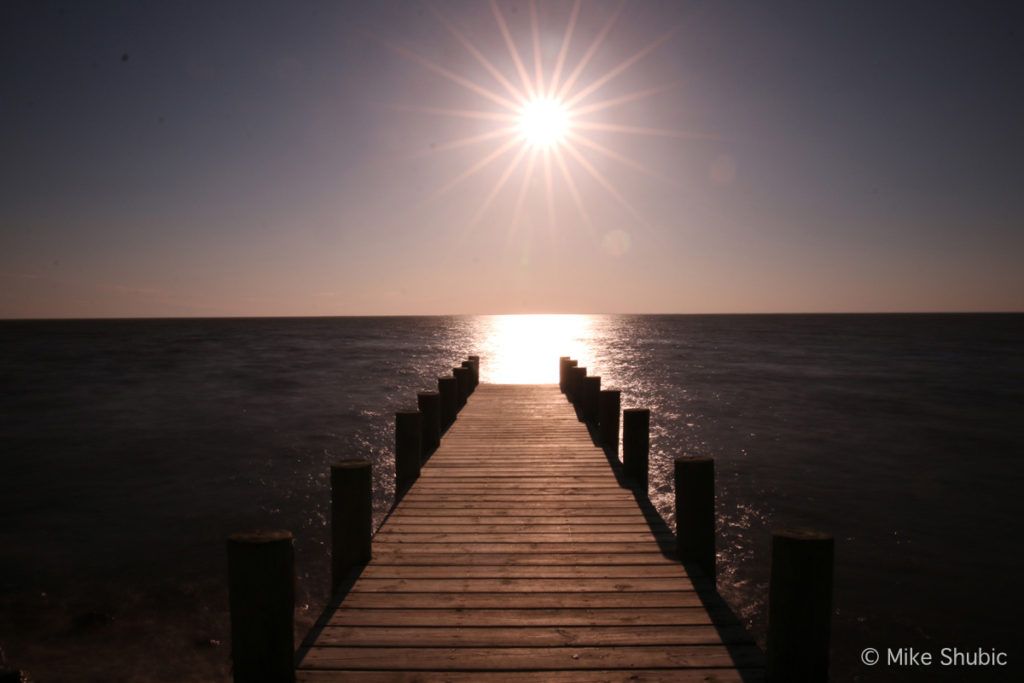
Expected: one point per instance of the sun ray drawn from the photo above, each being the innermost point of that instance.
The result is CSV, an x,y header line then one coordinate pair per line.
x,y
623,66
589,54
460,113
573,191
641,130
455,78
630,97
550,186
527,178
484,62
498,185
472,139
560,60
476,168
621,158
604,182
520,68
538,66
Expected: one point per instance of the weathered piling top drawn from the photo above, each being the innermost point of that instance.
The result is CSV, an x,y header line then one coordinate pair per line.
x,y
517,556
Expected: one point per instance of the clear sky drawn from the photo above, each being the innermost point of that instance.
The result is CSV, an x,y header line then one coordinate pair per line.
x,y
296,158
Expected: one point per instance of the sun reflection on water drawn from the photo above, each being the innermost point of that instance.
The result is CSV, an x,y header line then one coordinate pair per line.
x,y
524,349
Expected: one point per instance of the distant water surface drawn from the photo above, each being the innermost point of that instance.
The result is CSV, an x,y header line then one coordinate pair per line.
x,y
129,449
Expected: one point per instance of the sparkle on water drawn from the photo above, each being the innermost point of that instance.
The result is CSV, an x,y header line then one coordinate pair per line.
x,y
519,348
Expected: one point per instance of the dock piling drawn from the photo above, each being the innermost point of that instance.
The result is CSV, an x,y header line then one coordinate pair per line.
x,y
695,512
569,378
475,362
261,595
351,518
468,364
636,425
591,399
800,606
448,390
608,420
563,363
576,377
429,403
408,447
463,380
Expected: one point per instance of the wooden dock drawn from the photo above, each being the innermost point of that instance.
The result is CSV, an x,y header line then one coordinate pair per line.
x,y
517,555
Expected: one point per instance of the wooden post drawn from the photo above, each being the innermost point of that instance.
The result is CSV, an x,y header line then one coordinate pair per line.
x,y
567,388
695,512
408,447
448,390
261,595
562,364
800,606
351,518
591,398
475,360
608,419
472,375
576,376
463,380
636,425
429,403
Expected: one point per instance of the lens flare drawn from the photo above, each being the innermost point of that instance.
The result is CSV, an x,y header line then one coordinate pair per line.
x,y
545,114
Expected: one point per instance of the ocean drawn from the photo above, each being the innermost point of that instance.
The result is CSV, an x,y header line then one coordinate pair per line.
x,y
129,449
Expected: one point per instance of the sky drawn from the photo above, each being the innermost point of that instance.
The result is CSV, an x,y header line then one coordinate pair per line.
x,y
328,158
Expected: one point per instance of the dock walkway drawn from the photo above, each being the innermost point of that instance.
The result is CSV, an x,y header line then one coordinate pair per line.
x,y
517,556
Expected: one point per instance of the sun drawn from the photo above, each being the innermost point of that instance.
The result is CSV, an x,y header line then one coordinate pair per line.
x,y
544,123
542,120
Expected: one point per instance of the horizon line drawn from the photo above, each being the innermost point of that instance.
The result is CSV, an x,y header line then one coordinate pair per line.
x,y
114,318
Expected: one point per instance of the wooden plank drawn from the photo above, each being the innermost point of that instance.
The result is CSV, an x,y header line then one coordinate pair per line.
x,y
523,507
522,600
519,537
646,616
467,548
522,585
408,527
397,555
571,571
410,520
531,658
606,676
524,498
532,636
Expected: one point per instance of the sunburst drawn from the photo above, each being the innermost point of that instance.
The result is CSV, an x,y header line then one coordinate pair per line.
x,y
543,114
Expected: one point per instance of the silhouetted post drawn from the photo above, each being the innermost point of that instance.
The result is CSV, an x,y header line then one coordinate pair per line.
x,y
408,447
351,518
475,360
591,398
608,419
462,380
576,377
636,426
448,390
567,379
472,375
261,595
429,403
695,512
562,364
800,606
